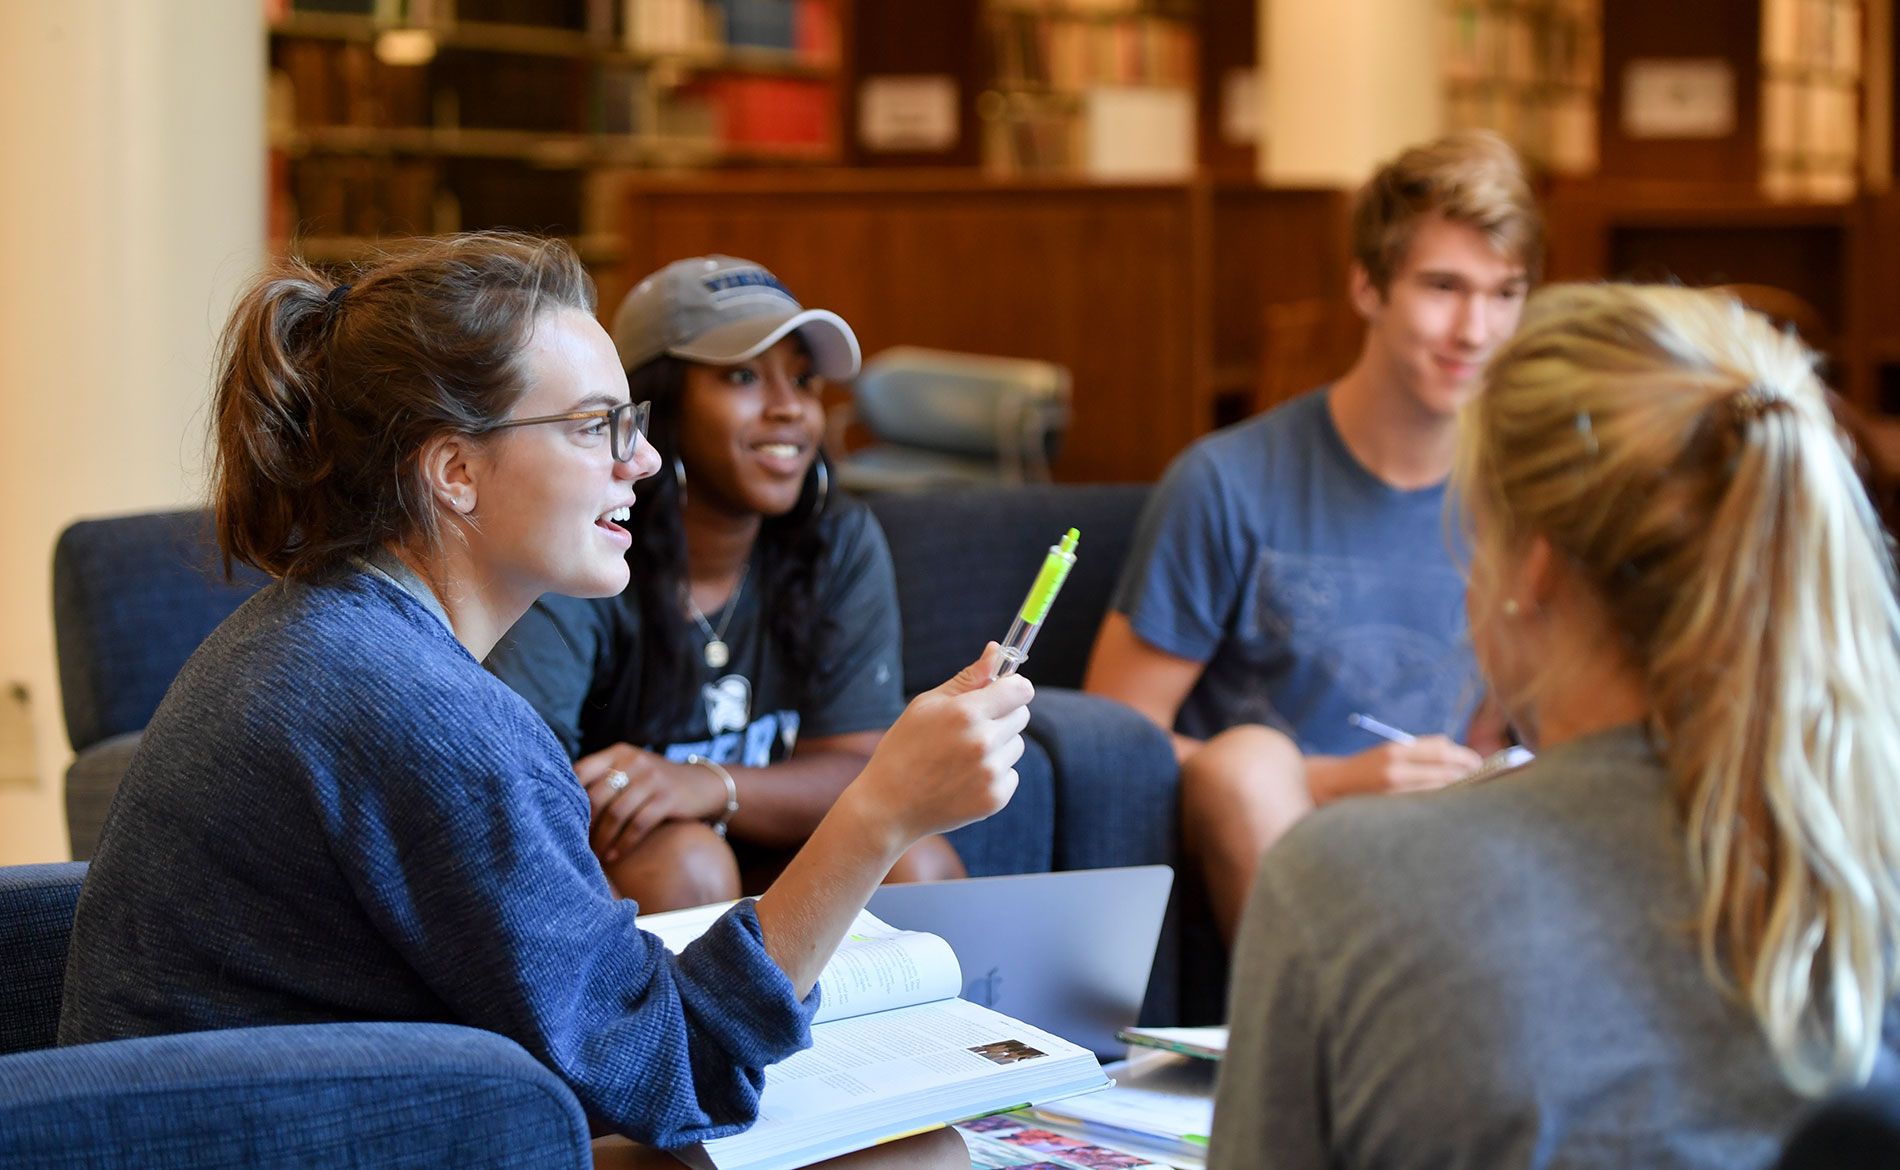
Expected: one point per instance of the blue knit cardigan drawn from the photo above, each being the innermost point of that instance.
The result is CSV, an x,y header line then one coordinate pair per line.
x,y
337,814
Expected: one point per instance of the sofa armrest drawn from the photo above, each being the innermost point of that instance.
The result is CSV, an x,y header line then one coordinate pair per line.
x,y
36,919
92,781
1116,781
301,1095
1020,838
1117,803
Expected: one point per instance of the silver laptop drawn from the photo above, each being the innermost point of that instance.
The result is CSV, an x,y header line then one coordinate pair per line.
x,y
1068,952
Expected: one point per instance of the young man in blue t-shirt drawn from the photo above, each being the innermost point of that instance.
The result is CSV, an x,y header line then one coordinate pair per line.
x,y
1296,569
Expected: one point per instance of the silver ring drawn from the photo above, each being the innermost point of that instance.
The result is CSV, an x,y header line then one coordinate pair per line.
x,y
616,780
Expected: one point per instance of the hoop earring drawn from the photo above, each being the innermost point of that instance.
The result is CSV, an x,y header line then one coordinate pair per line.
x,y
824,488
679,478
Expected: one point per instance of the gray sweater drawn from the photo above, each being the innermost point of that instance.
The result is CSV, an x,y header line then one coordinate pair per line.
x,y
1499,975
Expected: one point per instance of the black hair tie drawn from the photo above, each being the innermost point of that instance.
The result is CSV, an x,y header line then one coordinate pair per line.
x,y
337,294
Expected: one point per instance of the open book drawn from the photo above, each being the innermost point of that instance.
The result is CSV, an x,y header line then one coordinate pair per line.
x,y
894,1052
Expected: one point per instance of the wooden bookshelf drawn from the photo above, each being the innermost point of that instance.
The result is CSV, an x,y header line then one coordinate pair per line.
x,y
1810,99
395,117
1067,76
1531,70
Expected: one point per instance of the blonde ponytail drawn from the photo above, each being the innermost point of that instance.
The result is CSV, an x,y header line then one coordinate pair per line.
x,y
1679,451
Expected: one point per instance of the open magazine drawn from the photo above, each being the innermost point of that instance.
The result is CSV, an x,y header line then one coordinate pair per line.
x,y
894,1052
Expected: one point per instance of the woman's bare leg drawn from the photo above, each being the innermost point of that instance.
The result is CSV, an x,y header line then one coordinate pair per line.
x,y
679,864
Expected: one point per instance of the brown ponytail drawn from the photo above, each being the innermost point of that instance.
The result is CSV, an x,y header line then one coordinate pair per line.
x,y
327,392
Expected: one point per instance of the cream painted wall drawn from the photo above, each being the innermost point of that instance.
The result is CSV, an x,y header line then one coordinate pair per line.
x,y
131,208
1345,85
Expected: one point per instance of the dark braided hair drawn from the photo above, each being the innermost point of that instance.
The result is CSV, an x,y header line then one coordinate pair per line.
x,y
791,547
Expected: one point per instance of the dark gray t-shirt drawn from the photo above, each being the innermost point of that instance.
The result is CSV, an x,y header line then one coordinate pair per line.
x,y
577,661
1309,587
1498,975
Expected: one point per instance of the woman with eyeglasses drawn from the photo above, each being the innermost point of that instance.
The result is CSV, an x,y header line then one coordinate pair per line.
x,y
718,706
337,814
1648,946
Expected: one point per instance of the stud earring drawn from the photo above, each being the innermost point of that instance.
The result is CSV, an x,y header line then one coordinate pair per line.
x,y
1510,607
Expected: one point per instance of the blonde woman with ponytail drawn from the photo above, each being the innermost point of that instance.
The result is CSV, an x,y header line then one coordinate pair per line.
x,y
1651,945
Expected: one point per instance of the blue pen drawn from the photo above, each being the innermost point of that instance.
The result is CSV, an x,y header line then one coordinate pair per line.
x,y
1382,730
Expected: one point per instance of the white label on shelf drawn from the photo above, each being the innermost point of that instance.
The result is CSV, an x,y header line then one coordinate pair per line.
x,y
914,112
1688,97
1139,132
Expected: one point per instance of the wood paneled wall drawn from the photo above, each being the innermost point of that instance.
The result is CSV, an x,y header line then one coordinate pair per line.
x,y
1820,255
1151,295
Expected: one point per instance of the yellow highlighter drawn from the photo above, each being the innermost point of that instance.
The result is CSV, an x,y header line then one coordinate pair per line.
x,y
1042,594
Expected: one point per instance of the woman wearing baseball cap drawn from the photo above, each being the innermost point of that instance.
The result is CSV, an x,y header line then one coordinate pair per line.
x,y
717,707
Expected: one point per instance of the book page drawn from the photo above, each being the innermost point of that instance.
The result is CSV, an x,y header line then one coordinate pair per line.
x,y
916,1049
879,967
869,1078
875,968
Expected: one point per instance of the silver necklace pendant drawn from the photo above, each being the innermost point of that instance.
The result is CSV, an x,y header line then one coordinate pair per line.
x,y
717,652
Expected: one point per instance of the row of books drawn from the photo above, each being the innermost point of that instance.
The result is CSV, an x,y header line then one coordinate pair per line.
x,y
361,196
1558,44
1031,49
688,27
1554,131
1820,119
343,83
1810,99
1530,70
1819,35
323,83
1810,141
1035,141
1179,9
1137,133
809,27
719,113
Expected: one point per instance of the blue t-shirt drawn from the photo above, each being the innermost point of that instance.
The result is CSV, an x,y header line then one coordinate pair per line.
x,y
578,661
1309,587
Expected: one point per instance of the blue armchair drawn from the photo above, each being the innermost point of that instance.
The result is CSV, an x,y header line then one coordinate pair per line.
x,y
301,1095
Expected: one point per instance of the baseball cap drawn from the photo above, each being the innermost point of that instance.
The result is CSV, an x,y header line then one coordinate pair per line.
x,y
721,310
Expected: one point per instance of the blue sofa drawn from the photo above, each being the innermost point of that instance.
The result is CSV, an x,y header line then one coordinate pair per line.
x,y
372,1094
134,595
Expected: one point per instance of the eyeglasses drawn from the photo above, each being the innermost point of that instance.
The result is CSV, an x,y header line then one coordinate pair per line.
x,y
623,423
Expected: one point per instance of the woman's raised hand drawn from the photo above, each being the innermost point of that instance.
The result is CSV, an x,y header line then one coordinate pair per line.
x,y
948,760
950,757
